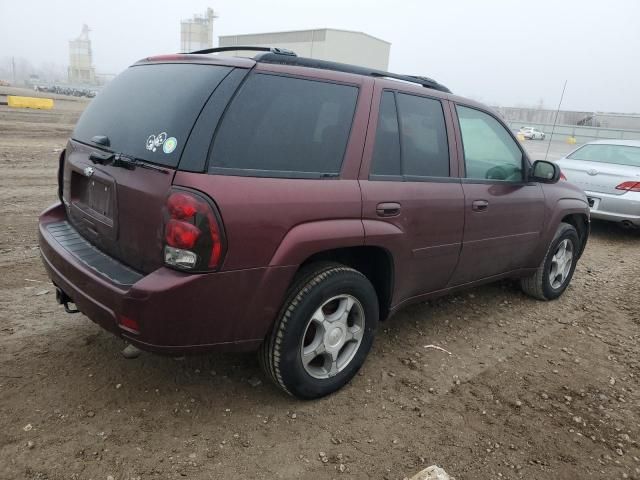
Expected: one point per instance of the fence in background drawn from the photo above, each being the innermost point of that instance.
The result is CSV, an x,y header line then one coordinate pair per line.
x,y
581,134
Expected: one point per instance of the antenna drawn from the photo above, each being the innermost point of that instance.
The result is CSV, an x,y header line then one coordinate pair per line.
x,y
555,120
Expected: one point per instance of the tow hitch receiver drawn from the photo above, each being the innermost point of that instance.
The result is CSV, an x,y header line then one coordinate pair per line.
x,y
64,299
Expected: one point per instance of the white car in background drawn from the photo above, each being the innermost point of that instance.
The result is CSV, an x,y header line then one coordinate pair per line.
x,y
532,133
609,173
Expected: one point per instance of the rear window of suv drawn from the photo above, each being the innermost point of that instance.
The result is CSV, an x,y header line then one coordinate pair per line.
x,y
148,110
281,126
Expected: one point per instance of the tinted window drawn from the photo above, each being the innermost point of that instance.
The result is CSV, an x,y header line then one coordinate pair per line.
x,y
386,153
423,137
489,151
606,153
148,110
419,146
285,125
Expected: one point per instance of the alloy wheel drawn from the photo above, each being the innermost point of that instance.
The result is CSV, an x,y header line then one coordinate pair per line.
x,y
561,263
332,336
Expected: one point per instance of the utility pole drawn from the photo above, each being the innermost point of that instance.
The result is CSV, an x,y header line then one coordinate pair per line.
x,y
13,70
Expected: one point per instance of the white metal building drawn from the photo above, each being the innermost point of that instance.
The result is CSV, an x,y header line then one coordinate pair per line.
x,y
197,33
344,46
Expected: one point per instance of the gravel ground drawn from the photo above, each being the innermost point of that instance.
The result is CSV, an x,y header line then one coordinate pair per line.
x,y
529,390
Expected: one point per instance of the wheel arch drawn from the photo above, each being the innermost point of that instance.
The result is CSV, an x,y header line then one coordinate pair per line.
x,y
374,262
579,221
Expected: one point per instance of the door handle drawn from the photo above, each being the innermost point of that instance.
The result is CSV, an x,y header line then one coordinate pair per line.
x,y
479,205
388,209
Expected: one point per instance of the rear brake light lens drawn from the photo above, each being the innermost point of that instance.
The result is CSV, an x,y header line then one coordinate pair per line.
x,y
181,234
629,186
165,58
182,205
193,235
562,176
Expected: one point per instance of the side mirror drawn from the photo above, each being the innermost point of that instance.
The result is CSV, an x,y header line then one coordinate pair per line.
x,y
544,172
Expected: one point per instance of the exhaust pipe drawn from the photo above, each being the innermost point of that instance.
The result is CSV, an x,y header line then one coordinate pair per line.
x,y
63,299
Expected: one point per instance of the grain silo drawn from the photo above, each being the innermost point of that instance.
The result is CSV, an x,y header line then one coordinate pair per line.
x,y
197,33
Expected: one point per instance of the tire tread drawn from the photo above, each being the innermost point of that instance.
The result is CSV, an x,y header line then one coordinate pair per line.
x,y
533,284
306,280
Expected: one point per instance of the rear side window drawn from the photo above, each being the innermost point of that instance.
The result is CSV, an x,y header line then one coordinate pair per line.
x,y
411,137
283,126
423,137
386,153
148,110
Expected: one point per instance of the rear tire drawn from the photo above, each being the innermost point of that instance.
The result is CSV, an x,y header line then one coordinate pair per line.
x,y
324,332
556,270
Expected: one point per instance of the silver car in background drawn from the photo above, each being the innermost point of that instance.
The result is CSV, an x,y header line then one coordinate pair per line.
x,y
609,173
531,133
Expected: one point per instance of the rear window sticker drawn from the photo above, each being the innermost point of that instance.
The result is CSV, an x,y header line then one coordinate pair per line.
x,y
169,145
154,141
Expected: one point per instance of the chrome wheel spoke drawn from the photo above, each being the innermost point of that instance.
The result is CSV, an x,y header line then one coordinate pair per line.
x,y
313,351
354,333
333,368
319,317
342,312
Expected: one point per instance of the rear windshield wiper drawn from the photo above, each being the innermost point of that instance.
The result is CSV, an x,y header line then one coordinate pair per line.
x,y
124,161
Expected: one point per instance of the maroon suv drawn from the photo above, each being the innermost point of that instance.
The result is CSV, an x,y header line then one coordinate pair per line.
x,y
287,204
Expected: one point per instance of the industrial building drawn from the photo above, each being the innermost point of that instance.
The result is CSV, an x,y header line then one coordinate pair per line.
x,y
197,32
344,46
540,116
81,69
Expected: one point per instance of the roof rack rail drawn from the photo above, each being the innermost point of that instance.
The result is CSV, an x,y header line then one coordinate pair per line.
x,y
274,57
289,57
244,48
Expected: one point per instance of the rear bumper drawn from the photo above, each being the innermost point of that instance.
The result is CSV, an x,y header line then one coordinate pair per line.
x,y
616,208
176,312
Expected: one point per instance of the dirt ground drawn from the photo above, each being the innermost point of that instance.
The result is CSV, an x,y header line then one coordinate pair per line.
x,y
530,390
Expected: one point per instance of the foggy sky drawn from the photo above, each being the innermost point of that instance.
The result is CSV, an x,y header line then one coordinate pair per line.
x,y
502,52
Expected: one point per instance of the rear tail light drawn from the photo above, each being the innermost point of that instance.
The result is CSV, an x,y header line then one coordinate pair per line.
x,y
562,176
629,186
193,236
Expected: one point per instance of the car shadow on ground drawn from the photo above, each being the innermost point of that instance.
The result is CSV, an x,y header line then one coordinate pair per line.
x,y
96,365
613,231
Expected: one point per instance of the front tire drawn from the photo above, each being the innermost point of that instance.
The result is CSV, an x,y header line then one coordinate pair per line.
x,y
556,270
323,333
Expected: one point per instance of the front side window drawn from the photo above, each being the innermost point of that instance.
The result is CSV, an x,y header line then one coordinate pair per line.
x,y
489,151
411,137
283,126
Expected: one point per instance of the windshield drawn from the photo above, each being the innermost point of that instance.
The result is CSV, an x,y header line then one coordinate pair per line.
x,y
607,153
148,110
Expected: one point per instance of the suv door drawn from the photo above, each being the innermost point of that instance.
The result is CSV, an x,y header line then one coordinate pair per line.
x,y
504,214
412,204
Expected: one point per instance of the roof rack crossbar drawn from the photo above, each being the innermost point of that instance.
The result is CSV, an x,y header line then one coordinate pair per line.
x,y
245,48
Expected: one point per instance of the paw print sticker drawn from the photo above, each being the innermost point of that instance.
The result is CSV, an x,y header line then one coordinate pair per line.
x,y
154,141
